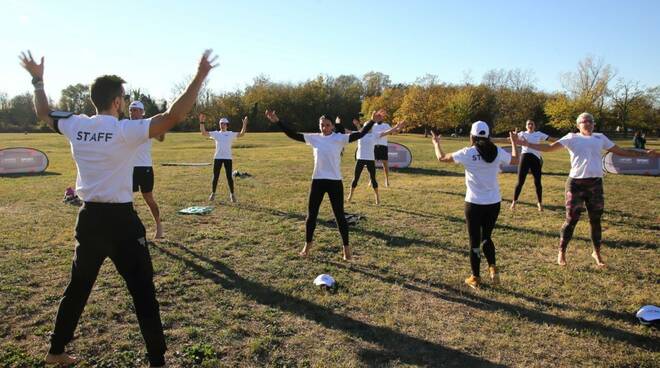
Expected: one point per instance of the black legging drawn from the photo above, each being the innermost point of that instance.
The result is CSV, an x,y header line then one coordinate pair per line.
x,y
335,190
371,167
529,162
480,220
217,165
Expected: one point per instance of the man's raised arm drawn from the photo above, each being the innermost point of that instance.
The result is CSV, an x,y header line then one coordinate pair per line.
x,y
40,100
163,122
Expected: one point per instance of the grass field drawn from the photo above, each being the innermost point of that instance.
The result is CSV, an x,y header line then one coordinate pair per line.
x,y
233,291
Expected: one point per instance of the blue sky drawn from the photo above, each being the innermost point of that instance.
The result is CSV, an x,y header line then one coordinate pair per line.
x,y
156,44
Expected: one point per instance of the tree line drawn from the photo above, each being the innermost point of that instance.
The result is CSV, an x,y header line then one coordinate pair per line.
x,y
503,98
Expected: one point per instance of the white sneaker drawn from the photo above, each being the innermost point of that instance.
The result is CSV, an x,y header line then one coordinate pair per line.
x,y
232,198
212,197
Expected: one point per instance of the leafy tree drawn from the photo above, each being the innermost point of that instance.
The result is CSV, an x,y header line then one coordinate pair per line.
x,y
21,115
375,83
76,98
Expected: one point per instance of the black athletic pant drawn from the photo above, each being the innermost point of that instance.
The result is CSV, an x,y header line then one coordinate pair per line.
x,y
335,190
217,165
529,162
371,167
111,230
480,220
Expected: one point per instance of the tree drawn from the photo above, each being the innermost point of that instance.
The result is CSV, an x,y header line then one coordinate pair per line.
x,y
515,79
375,83
625,96
76,98
21,115
588,86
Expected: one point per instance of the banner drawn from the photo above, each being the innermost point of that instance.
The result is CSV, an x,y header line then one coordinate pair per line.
x,y
398,156
616,164
22,160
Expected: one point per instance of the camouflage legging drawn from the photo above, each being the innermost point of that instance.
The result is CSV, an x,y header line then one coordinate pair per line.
x,y
581,193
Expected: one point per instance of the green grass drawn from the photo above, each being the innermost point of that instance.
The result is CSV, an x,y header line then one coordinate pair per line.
x,y
234,293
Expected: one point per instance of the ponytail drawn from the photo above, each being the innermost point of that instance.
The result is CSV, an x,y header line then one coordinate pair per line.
x,y
486,148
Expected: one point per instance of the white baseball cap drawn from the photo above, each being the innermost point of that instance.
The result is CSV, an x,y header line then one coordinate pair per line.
x,y
324,280
136,105
223,121
480,129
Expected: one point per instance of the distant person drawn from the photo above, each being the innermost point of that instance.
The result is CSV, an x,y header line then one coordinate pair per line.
x,y
584,187
639,140
365,157
482,162
530,160
104,149
381,150
143,171
326,178
223,140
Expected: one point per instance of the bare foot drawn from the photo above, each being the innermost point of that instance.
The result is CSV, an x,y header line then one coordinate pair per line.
x,y
513,205
598,258
159,231
540,206
346,250
561,258
387,183
60,359
305,251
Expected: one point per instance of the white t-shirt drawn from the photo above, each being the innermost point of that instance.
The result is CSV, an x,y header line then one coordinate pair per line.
x,y
365,148
104,149
534,137
327,154
586,160
143,155
223,142
379,128
481,176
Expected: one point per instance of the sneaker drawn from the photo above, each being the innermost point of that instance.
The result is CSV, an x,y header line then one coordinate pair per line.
x,y
473,281
212,197
232,198
494,276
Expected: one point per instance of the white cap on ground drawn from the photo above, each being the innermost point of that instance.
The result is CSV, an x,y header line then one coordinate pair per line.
x,y
324,280
648,314
136,105
223,121
480,129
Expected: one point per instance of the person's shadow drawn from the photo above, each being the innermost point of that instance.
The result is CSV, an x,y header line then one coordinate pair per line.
x,y
395,346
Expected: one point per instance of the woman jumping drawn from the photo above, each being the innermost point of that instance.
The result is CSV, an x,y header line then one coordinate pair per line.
x,y
482,199
584,187
366,157
530,160
327,177
223,139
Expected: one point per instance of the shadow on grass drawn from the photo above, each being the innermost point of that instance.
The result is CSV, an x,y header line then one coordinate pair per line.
x,y
389,239
45,173
430,172
455,295
397,345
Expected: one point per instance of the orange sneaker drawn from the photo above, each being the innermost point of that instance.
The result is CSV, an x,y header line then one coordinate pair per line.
x,y
473,281
494,276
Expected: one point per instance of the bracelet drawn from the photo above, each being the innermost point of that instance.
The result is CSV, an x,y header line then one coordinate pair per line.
x,y
37,80
38,86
